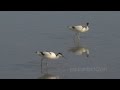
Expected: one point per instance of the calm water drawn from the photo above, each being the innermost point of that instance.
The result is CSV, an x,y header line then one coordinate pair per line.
x,y
22,33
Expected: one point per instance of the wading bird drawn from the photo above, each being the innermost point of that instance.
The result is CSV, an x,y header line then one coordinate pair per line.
x,y
49,56
79,28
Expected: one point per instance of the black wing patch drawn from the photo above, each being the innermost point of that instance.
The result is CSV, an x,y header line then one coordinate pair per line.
x,y
42,53
73,27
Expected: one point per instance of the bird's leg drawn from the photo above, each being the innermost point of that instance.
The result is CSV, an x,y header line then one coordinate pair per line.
x,y
41,66
78,36
75,38
46,64
78,40
46,67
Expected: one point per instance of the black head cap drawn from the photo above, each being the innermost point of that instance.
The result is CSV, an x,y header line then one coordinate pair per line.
x,y
87,23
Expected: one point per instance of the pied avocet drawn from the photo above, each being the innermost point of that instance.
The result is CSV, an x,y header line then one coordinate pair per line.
x,y
79,28
49,56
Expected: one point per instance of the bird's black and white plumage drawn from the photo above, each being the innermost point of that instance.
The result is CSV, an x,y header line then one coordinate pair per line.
x,y
80,28
49,55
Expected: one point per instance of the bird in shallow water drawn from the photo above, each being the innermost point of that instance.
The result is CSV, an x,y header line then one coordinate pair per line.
x,y
49,56
49,76
79,28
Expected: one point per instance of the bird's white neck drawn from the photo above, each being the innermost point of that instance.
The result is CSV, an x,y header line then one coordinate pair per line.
x,y
87,28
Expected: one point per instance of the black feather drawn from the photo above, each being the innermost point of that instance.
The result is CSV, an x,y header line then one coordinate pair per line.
x,y
59,53
42,53
73,27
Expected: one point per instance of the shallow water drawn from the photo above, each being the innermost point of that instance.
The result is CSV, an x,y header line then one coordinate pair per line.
x,y
24,32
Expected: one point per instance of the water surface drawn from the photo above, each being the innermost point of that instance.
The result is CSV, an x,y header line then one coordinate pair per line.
x,y
24,32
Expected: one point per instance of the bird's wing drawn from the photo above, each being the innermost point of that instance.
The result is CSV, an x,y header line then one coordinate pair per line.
x,y
79,27
46,53
52,53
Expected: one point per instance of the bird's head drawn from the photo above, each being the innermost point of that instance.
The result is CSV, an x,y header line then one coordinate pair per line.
x,y
60,55
87,23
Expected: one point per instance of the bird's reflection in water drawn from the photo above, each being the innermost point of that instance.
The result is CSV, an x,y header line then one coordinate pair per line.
x,y
44,67
79,49
49,76
46,74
